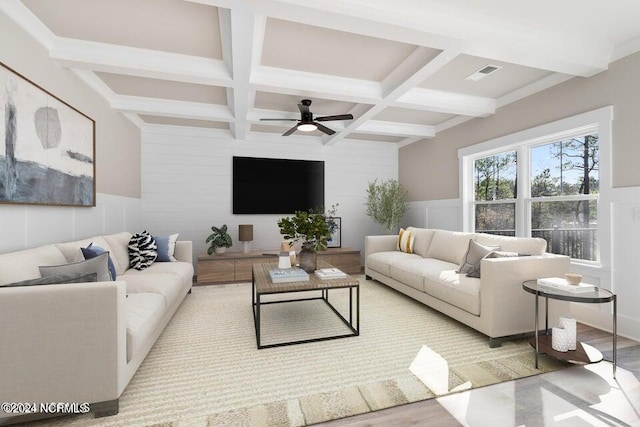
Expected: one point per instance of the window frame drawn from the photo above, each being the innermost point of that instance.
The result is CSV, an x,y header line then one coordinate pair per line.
x,y
596,121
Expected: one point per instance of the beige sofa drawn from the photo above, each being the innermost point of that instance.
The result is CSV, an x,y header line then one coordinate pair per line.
x,y
494,304
83,342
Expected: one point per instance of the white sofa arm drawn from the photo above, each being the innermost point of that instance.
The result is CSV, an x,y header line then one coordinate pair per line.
x,y
510,309
373,244
184,251
62,343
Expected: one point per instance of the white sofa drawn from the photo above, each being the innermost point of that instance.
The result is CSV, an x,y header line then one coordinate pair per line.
x,y
494,304
83,342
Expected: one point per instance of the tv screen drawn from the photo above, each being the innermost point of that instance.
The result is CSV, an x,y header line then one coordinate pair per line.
x,y
276,186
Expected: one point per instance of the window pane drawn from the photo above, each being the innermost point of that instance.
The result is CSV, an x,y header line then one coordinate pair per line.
x,y
566,167
496,218
495,177
570,228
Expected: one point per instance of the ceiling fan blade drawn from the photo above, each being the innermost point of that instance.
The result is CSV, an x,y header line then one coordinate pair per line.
x,y
290,131
324,129
336,117
304,109
279,120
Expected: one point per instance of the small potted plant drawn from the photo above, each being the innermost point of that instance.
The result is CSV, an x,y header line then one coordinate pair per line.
x,y
220,240
312,228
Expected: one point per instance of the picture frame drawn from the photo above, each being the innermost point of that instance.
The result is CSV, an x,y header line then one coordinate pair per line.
x,y
336,235
48,147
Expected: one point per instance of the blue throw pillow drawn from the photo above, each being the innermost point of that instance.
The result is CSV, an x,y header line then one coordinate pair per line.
x,y
166,247
92,251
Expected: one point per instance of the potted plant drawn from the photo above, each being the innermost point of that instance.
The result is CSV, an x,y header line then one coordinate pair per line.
x,y
312,228
220,240
385,203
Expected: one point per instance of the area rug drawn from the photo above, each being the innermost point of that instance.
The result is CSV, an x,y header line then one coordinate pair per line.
x,y
205,370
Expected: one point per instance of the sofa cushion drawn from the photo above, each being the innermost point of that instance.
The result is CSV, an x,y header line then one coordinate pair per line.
x,y
382,261
143,250
23,265
522,245
166,247
98,265
168,285
475,253
184,270
71,250
405,241
119,243
143,313
449,246
93,251
55,280
410,272
456,289
422,240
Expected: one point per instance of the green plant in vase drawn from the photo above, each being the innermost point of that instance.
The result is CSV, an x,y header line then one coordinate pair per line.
x,y
386,204
312,228
220,240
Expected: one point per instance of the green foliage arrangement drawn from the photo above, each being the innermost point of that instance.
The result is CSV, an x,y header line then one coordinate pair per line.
x,y
386,204
219,239
308,226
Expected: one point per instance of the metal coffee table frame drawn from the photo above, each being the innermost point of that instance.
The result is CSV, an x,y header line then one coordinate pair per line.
x,y
599,296
314,284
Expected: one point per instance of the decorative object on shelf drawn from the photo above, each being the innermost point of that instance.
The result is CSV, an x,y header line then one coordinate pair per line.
x,y
560,340
335,228
245,235
330,273
284,261
560,283
220,240
288,247
569,324
386,205
312,228
288,275
573,278
52,159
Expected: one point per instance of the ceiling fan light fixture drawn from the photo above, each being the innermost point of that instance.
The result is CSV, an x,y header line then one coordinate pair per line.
x,y
307,127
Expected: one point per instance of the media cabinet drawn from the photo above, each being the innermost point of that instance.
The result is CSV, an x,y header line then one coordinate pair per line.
x,y
233,267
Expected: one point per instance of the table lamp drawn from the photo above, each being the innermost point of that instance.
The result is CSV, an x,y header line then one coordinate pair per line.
x,y
245,235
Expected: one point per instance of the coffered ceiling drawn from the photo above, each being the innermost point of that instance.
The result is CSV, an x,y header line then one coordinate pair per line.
x,y
399,67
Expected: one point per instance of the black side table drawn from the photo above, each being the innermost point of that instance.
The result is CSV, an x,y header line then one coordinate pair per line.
x,y
584,353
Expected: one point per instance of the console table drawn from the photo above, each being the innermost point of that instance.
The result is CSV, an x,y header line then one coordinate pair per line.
x,y
231,267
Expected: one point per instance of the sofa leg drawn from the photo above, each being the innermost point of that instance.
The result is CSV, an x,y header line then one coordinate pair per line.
x,y
105,409
495,342
367,277
189,290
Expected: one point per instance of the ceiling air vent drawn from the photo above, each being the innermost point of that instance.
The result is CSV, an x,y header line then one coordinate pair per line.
x,y
483,72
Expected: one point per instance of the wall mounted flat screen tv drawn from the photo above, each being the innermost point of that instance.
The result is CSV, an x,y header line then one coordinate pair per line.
x,y
276,186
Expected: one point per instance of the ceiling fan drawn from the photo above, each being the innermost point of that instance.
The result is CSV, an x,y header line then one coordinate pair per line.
x,y
307,123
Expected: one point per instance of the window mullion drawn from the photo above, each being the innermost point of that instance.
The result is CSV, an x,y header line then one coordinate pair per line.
x,y
523,214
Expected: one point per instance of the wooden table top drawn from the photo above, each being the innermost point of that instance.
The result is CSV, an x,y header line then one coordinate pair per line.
x,y
265,286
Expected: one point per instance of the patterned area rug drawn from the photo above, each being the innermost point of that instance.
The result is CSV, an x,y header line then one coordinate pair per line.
x,y
205,370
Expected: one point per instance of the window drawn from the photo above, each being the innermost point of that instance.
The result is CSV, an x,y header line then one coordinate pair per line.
x,y
544,182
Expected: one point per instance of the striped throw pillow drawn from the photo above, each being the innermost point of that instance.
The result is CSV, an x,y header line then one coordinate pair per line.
x,y
405,241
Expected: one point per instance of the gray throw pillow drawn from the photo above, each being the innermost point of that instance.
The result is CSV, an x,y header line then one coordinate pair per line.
x,y
98,265
56,280
475,253
476,272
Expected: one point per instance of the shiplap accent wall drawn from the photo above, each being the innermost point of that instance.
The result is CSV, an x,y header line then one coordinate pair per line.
x,y
28,226
187,183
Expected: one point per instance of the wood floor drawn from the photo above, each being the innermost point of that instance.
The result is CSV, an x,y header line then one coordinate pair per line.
x,y
579,396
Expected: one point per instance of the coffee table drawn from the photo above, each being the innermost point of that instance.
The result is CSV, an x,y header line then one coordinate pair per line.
x,y
262,285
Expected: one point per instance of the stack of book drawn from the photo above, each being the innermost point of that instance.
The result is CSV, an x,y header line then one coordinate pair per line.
x,y
330,273
288,275
561,284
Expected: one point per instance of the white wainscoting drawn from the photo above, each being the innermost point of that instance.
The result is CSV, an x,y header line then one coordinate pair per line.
x,y
27,226
442,214
186,183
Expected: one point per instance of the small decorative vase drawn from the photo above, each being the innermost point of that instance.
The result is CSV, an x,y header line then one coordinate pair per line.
x,y
559,339
220,250
308,258
569,323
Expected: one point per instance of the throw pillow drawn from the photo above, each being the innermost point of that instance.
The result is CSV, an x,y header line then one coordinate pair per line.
x,y
166,247
56,280
143,250
98,265
477,270
475,253
93,251
405,241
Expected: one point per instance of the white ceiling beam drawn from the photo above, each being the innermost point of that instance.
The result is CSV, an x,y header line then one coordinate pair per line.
x,y
226,4
418,66
171,108
110,58
305,84
448,29
396,128
23,16
446,102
